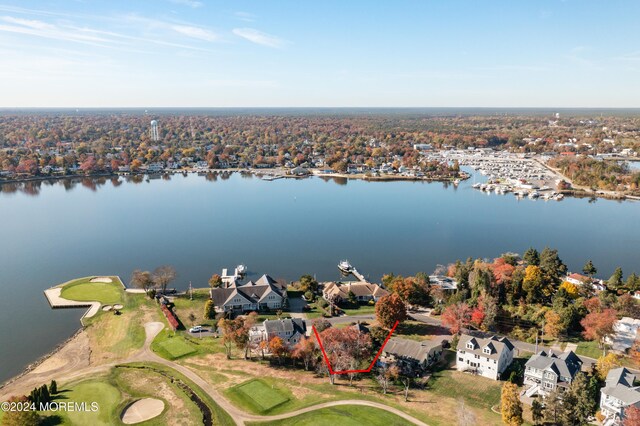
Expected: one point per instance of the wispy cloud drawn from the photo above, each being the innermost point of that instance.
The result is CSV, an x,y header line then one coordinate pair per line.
x,y
245,16
195,32
259,37
242,83
46,30
191,3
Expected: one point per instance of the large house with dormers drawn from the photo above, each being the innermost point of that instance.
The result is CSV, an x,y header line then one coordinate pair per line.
x,y
263,294
487,357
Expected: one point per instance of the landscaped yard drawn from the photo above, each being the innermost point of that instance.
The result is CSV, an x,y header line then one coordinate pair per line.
x,y
420,331
173,345
345,415
589,348
256,396
82,290
476,390
362,309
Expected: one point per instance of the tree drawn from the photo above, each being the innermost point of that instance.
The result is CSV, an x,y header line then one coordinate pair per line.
x,y
571,289
306,351
308,283
387,375
533,283
353,300
209,310
510,405
537,412
141,279
634,352
163,275
456,317
553,407
53,387
579,401
215,281
631,416
599,325
321,324
531,257
20,417
552,267
411,291
604,364
552,324
589,269
615,281
278,348
390,309
633,282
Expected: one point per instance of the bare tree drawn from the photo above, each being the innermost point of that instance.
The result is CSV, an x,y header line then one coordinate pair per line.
x,y
141,279
163,275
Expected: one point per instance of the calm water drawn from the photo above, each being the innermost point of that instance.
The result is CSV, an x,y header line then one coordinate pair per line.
x,y
285,228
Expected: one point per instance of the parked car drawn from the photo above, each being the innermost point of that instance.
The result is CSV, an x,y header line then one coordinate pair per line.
x,y
195,329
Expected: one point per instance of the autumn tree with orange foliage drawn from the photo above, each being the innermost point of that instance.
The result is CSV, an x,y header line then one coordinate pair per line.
x,y
390,309
598,325
631,416
456,317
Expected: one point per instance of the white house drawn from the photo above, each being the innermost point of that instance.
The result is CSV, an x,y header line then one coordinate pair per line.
x,y
488,357
617,394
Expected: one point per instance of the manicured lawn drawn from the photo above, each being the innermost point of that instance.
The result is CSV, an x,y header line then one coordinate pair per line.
x,y
180,344
476,390
346,415
177,347
83,290
257,396
361,310
589,348
419,331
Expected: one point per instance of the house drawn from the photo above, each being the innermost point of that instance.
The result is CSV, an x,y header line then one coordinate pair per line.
x,y
290,330
546,372
577,279
625,331
617,394
443,282
363,291
264,294
411,357
488,357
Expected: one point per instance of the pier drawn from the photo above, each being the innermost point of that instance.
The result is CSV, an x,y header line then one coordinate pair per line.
x,y
359,275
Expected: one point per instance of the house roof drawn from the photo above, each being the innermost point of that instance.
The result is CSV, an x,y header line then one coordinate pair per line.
x,y
404,348
619,384
620,376
566,364
281,326
496,345
252,292
359,289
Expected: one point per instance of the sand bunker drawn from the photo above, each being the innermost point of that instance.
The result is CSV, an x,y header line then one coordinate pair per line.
x,y
107,308
141,410
101,280
118,306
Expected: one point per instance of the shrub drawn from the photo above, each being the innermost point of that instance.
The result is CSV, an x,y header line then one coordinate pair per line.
x,y
309,296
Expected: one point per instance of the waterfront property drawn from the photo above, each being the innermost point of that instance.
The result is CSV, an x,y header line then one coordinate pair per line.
x,y
411,357
487,357
546,372
263,294
625,332
617,394
363,291
290,330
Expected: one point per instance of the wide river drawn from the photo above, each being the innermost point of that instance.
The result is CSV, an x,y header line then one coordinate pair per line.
x,y
54,232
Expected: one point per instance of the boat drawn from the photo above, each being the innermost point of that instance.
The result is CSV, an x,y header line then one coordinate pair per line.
x,y
534,194
476,185
345,266
241,269
456,182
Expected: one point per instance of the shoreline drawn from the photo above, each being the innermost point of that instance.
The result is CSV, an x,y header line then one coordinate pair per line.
x,y
35,364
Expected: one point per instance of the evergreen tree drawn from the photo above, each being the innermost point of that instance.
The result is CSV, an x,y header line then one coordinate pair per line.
x,y
537,412
551,265
531,257
633,282
615,281
589,269
53,387
553,407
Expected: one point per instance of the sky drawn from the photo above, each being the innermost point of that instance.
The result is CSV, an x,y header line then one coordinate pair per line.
x,y
356,53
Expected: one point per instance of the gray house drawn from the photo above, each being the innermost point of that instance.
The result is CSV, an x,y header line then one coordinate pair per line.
x,y
263,294
617,394
546,372
412,357
290,330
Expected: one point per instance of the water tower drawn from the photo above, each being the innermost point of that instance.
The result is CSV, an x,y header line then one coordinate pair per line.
x,y
155,133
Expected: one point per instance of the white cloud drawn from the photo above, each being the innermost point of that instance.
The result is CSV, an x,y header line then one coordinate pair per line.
x,y
259,37
245,16
46,30
191,3
195,32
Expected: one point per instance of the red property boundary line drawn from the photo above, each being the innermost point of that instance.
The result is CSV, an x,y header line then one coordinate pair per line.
x,y
326,358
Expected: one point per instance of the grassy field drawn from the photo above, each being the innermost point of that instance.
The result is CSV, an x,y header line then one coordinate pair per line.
x,y
477,391
363,309
589,348
346,415
83,290
170,345
184,307
419,331
256,394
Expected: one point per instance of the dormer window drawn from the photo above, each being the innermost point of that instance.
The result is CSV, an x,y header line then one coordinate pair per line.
x,y
469,345
486,350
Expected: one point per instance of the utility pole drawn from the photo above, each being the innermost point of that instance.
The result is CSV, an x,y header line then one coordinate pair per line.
x,y
190,291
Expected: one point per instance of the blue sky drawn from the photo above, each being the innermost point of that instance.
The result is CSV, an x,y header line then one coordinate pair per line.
x,y
542,53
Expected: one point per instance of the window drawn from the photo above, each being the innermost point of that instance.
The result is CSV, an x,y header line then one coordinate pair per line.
x,y
486,350
469,345
460,359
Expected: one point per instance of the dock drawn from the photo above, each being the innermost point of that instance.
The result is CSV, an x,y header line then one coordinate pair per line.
x,y
359,275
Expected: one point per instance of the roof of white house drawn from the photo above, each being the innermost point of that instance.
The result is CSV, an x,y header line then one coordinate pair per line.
x,y
495,345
